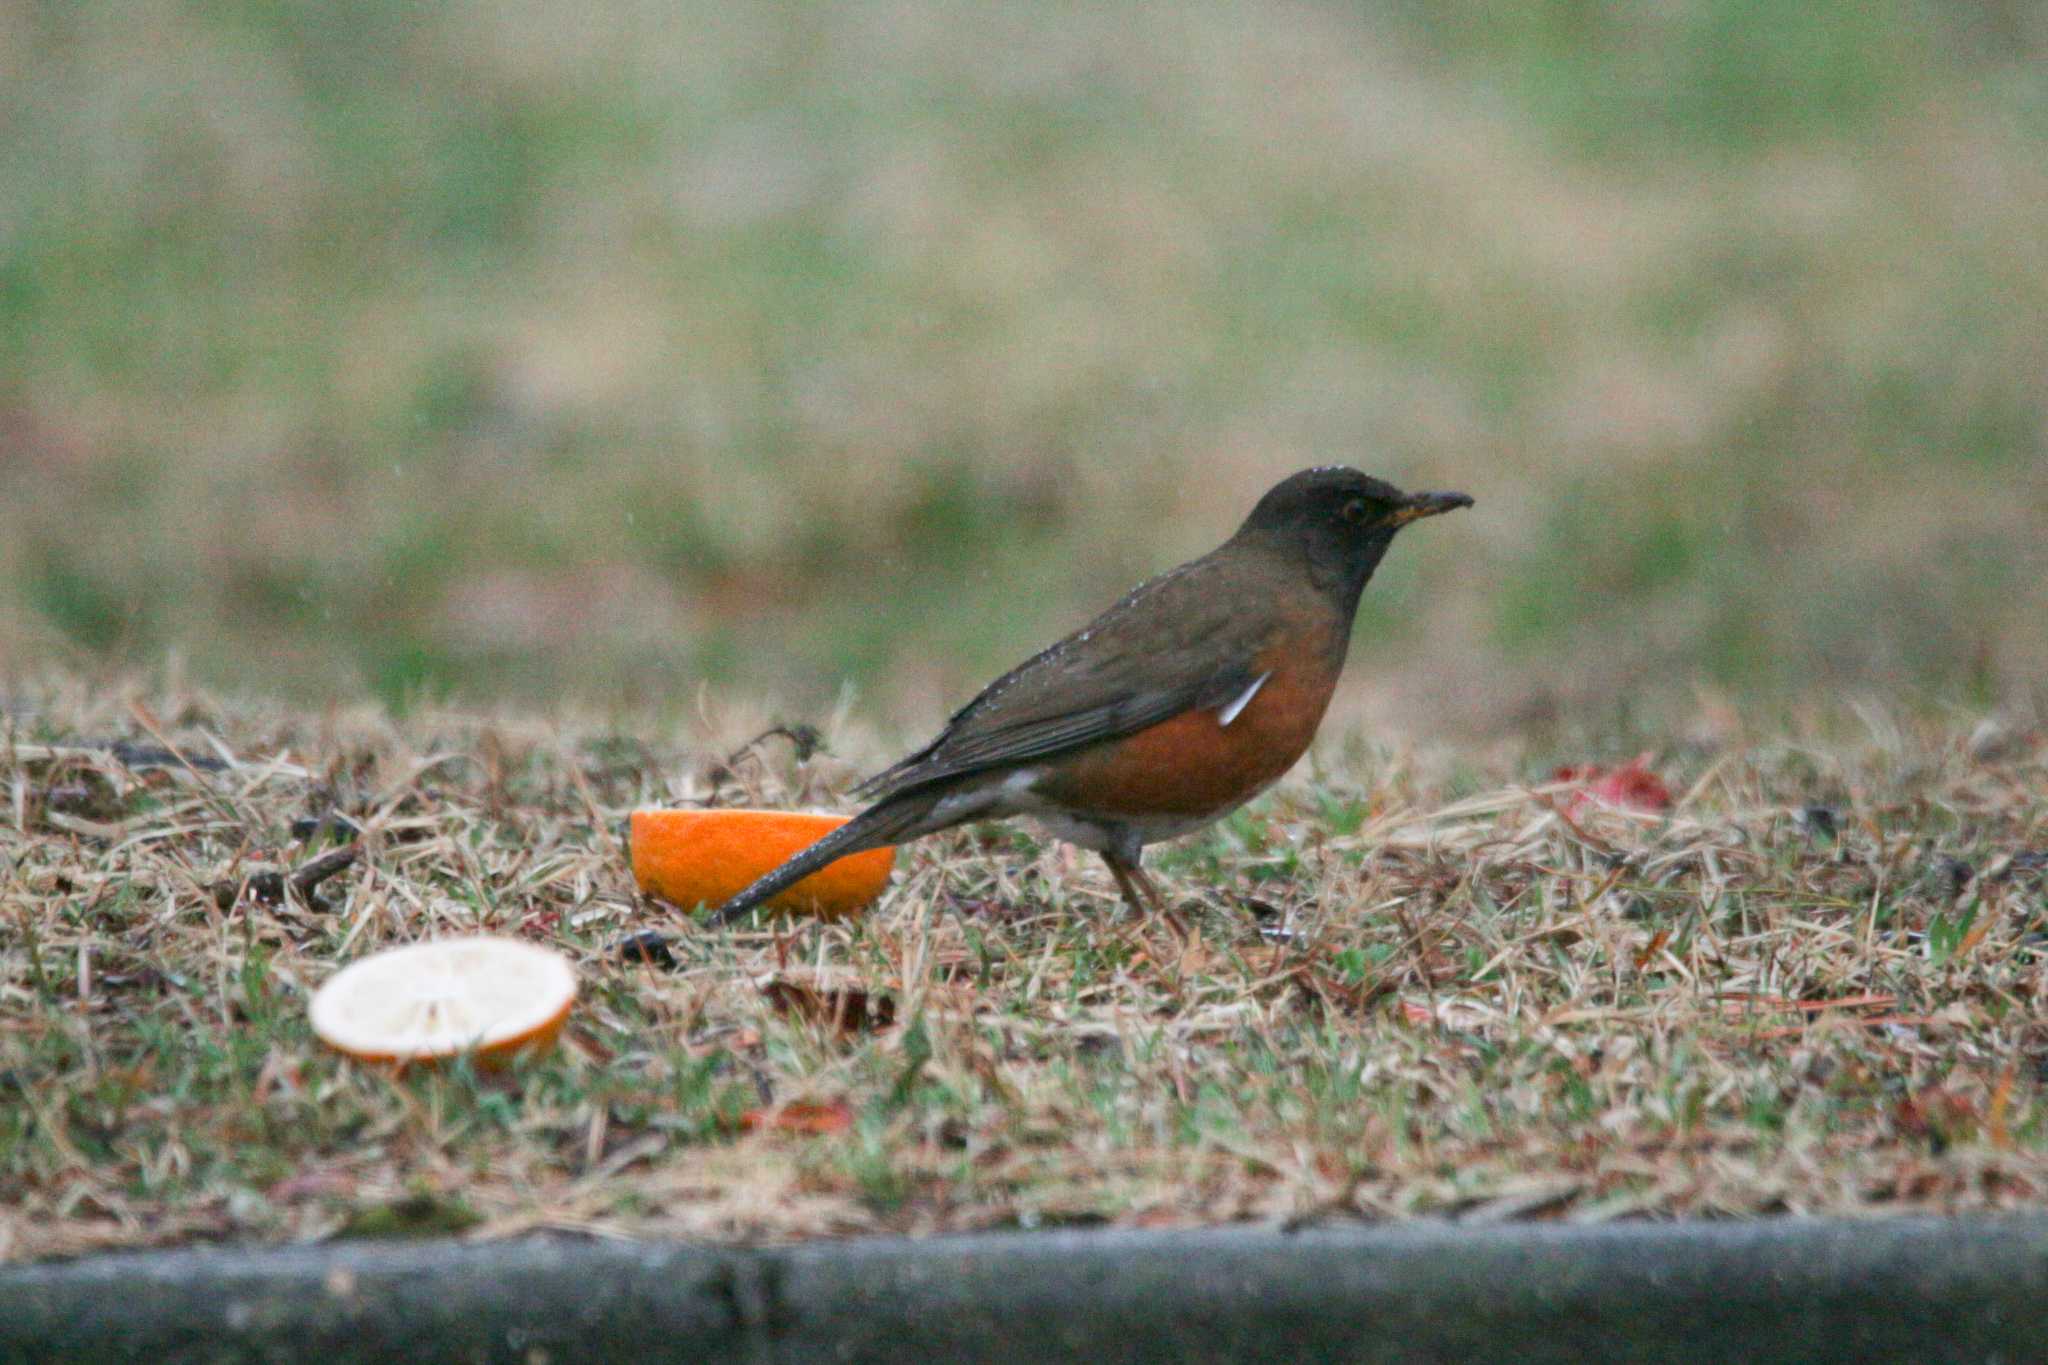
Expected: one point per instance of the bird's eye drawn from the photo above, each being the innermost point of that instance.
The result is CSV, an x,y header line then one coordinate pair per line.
x,y
1354,511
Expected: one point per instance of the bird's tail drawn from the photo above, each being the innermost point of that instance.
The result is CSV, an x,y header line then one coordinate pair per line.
x,y
879,824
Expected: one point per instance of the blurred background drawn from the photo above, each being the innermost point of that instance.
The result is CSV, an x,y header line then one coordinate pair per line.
x,y
530,350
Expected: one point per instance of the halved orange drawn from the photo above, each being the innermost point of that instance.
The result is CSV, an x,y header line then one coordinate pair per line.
x,y
706,857
489,997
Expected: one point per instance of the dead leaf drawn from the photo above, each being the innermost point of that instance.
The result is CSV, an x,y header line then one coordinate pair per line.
x,y
1937,1113
800,1117
842,1004
1975,936
2001,1101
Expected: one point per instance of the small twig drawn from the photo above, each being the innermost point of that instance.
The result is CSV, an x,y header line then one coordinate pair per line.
x,y
323,867
804,740
270,887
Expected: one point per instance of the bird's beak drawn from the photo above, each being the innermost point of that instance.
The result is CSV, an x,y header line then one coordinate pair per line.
x,y
1420,505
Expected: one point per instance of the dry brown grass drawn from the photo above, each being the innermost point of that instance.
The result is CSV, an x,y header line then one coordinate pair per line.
x,y
1418,988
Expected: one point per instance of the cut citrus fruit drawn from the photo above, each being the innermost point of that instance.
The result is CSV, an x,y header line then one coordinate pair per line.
x,y
489,997
706,857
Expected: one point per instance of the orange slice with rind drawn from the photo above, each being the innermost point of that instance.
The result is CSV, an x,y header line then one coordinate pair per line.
x,y
486,997
706,857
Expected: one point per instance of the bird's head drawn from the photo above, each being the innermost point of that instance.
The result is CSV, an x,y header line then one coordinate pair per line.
x,y
1341,520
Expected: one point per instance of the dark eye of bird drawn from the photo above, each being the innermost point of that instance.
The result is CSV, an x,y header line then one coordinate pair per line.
x,y
1354,511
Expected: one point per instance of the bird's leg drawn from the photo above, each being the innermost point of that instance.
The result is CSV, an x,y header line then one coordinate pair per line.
x,y
1129,890
1125,884
1139,892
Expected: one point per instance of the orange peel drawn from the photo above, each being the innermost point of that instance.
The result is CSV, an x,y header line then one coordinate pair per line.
x,y
706,857
486,997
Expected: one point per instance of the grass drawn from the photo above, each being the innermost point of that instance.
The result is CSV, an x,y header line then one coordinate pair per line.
x,y
537,375
1423,986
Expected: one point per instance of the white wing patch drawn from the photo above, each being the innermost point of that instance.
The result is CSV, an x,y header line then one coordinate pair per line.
x,y
992,797
1242,699
1021,782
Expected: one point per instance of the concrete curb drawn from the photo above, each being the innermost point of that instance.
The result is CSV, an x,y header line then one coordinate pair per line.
x,y
1792,1289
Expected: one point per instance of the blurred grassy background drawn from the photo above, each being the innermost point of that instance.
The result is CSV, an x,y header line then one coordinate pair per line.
x,y
532,349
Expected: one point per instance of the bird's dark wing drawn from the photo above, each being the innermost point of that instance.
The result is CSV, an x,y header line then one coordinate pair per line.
x,y
1173,644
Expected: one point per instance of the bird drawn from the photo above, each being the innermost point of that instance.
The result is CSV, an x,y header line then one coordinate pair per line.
x,y
1190,695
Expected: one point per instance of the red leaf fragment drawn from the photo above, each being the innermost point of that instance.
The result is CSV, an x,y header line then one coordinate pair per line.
x,y
1632,786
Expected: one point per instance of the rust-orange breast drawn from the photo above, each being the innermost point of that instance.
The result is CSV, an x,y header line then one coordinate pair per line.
x,y
1194,765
